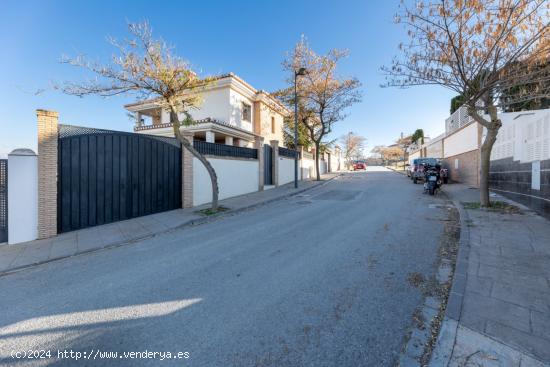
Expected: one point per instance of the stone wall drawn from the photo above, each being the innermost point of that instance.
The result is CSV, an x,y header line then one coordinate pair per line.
x,y
515,180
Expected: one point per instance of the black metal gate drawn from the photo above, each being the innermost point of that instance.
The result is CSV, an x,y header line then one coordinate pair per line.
x,y
268,165
106,176
3,200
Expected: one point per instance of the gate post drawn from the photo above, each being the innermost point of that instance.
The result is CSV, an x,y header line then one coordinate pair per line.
x,y
259,145
275,161
187,173
22,196
47,172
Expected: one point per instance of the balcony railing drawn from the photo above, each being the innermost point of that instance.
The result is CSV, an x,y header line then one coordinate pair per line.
x,y
460,118
285,152
151,127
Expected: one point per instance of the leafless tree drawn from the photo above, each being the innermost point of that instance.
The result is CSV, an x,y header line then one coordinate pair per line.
x,y
323,95
352,147
148,68
477,48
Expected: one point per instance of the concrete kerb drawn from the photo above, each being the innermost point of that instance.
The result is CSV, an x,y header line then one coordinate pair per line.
x,y
189,223
420,336
402,172
443,351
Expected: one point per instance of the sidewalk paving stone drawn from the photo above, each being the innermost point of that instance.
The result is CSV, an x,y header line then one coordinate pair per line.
x,y
504,319
518,338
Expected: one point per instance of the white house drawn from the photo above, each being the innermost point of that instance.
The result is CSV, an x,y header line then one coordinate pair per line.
x,y
232,112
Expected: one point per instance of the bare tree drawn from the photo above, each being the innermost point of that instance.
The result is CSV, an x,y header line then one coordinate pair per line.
x,y
392,153
404,142
148,68
323,95
476,48
352,147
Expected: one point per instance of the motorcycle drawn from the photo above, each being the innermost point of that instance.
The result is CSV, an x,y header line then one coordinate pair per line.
x,y
444,173
432,180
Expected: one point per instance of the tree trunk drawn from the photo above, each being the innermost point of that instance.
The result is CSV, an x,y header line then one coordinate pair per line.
x,y
485,166
485,155
187,145
318,171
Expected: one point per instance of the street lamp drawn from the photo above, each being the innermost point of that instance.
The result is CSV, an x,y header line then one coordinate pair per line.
x,y
299,72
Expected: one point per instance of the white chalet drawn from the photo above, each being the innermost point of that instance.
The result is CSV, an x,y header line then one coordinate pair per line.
x,y
232,113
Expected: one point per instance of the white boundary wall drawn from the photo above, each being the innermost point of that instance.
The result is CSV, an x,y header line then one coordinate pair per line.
x,y
462,141
413,156
286,170
308,168
235,177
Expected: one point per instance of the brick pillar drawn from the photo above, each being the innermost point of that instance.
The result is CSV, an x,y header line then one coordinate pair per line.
x,y
259,145
187,173
47,172
275,161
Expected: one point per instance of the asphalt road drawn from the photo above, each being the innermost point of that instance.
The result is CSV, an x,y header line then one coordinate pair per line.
x,y
315,280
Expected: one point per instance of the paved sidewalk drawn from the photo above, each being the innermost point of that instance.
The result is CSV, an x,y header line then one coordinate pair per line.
x,y
498,312
14,257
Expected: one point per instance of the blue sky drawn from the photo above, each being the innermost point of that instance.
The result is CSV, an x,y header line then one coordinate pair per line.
x,y
249,38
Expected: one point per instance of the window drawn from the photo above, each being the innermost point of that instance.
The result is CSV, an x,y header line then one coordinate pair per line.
x,y
272,125
247,112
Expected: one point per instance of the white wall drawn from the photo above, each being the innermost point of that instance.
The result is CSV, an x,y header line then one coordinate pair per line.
x,y
414,156
22,196
235,110
215,104
524,136
308,168
465,140
235,177
286,170
435,149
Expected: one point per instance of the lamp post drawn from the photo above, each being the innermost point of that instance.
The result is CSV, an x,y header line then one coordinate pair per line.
x,y
299,72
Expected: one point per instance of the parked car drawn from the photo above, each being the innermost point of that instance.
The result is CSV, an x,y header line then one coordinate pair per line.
x,y
359,165
418,168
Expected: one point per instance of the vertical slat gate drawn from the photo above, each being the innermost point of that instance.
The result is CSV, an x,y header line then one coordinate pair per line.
x,y
3,200
268,165
107,177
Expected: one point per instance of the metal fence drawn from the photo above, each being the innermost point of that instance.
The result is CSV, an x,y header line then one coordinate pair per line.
x,y
285,152
106,176
223,150
3,200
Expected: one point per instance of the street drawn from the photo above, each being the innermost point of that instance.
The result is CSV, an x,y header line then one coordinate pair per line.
x,y
318,279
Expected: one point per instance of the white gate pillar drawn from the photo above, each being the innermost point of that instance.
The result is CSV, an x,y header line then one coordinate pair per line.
x,y
22,196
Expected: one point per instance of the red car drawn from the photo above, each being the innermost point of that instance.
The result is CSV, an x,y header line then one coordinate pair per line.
x,y
359,165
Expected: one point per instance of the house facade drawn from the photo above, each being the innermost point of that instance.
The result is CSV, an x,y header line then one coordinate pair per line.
x,y
232,113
